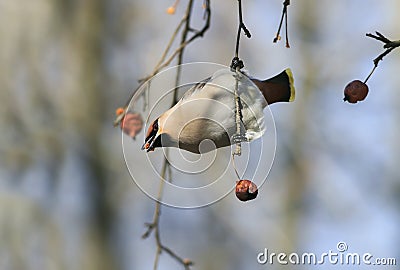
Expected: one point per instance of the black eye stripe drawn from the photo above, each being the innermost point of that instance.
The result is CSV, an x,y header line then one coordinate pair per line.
x,y
152,131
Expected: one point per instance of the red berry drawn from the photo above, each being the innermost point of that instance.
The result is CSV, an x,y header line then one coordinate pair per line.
x,y
246,190
132,124
355,91
119,111
171,10
187,262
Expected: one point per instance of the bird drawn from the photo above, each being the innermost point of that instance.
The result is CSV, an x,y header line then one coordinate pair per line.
x,y
207,112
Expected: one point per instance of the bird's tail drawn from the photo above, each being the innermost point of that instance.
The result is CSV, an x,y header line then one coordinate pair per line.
x,y
279,88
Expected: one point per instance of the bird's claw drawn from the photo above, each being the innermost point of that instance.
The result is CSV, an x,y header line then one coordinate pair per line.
x,y
236,64
238,138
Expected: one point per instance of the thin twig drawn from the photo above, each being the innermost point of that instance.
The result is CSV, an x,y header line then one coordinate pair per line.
x,y
180,55
389,46
236,66
154,226
171,40
241,27
156,69
234,166
286,3
238,149
164,61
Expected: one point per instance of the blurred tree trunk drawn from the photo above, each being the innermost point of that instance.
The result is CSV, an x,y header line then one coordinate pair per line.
x,y
86,30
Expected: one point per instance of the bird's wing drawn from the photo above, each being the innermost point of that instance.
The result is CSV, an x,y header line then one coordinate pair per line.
x,y
197,87
220,87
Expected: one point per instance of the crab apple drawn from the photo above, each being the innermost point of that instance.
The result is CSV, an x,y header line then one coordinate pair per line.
x,y
246,190
355,91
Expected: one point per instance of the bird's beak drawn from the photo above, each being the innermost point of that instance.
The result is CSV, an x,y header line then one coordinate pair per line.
x,y
149,143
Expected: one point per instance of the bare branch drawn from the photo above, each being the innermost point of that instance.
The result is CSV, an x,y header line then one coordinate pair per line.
x,y
286,3
378,36
236,66
163,62
241,27
389,46
154,226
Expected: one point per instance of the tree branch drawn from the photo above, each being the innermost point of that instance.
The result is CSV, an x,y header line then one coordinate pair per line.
x,y
241,27
286,3
154,226
236,66
389,46
164,61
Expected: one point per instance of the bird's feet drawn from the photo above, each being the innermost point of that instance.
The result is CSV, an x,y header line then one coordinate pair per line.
x,y
236,64
238,138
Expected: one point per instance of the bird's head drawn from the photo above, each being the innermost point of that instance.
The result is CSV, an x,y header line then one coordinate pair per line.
x,y
153,137
161,133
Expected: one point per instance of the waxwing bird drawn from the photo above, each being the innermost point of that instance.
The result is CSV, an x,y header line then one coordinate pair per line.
x,y
207,111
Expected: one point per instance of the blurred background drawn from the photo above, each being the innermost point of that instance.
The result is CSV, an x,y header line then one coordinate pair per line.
x,y
67,200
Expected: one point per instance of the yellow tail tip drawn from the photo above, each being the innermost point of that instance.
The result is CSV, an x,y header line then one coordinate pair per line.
x,y
291,84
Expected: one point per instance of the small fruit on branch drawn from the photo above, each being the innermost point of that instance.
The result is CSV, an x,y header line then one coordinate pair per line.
x,y
246,190
131,124
355,91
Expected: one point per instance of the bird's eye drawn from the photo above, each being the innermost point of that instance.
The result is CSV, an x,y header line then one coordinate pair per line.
x,y
155,126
